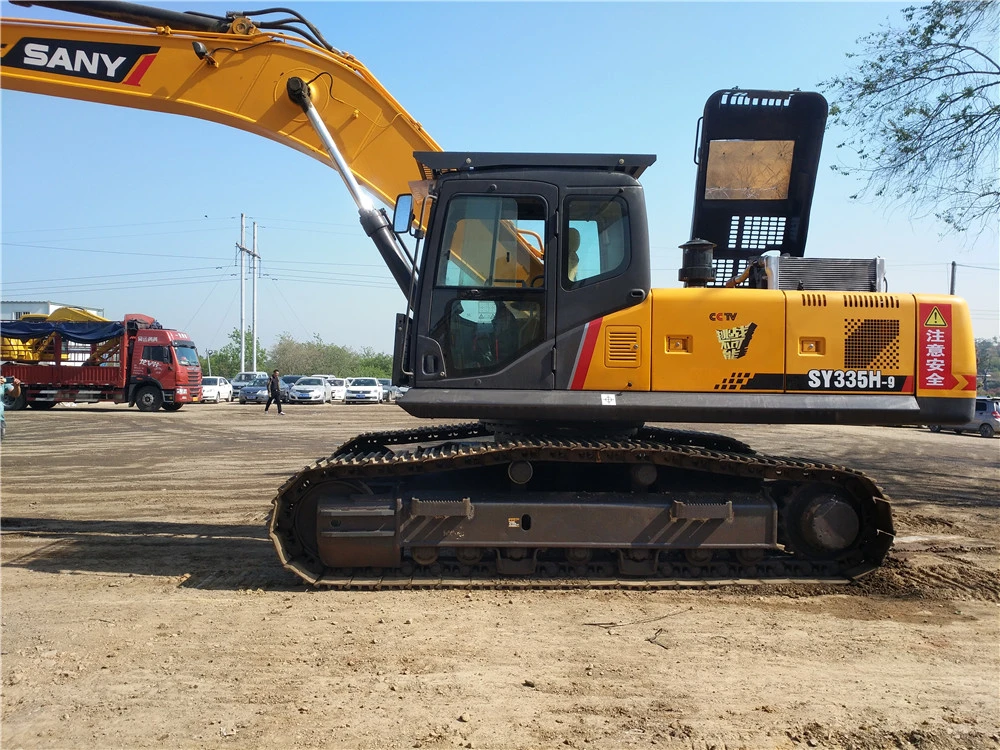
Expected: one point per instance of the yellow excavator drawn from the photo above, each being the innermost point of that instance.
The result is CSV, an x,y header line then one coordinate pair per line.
x,y
529,311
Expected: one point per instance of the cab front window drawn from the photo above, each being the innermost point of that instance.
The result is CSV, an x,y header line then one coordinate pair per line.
x,y
186,354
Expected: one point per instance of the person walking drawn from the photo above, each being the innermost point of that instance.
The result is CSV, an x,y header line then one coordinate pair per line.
x,y
274,392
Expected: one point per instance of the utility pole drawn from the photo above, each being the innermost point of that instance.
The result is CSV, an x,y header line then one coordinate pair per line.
x,y
255,262
254,271
243,307
953,266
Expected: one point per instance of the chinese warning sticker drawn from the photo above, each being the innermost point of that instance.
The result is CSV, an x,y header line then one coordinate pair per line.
x,y
934,347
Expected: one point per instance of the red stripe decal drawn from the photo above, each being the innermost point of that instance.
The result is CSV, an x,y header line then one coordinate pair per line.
x,y
586,354
139,70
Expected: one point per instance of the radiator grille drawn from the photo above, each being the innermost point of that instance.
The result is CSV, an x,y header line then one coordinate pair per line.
x,y
871,344
826,274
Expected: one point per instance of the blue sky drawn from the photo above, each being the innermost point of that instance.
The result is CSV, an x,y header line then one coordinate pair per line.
x,y
139,212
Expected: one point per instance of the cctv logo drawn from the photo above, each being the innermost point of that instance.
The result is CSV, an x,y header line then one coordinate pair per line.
x,y
116,63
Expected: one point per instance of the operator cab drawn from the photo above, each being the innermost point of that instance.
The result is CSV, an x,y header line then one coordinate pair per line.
x,y
521,252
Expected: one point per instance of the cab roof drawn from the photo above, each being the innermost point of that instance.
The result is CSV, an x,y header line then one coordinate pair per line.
x,y
433,164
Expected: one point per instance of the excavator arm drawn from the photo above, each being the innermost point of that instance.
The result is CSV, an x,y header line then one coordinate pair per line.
x,y
256,76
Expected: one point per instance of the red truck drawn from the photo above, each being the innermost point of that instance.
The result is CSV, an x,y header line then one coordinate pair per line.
x,y
134,361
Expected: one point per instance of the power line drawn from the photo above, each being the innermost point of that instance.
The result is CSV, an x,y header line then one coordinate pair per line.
x,y
981,268
103,276
204,300
42,292
332,282
111,252
224,315
331,274
324,263
145,234
173,277
288,306
114,226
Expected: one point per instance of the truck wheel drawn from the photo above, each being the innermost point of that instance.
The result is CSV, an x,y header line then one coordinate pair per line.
x,y
986,430
41,404
148,398
935,428
172,407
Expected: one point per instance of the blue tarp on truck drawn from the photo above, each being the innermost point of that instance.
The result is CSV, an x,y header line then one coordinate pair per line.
x,y
81,332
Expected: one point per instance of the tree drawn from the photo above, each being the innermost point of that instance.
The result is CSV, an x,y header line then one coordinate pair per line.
x,y
988,365
921,107
372,364
317,357
226,361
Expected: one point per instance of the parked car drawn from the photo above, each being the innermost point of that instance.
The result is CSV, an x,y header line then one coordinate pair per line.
x,y
338,389
310,390
245,378
389,391
363,391
287,381
214,390
255,392
986,420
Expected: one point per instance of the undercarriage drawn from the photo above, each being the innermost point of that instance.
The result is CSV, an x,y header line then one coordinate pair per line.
x,y
474,502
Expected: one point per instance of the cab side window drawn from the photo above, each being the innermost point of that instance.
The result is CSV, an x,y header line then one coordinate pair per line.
x,y
596,240
156,353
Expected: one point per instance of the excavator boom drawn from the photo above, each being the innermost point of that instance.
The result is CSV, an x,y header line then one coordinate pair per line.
x,y
236,78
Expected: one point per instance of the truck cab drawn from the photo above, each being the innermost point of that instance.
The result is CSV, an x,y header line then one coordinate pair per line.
x,y
165,370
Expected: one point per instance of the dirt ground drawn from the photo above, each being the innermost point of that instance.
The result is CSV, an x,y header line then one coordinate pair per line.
x,y
143,606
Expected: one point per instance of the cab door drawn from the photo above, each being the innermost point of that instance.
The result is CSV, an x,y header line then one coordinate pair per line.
x,y
486,319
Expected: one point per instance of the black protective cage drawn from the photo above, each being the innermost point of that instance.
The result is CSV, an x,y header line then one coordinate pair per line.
x,y
743,227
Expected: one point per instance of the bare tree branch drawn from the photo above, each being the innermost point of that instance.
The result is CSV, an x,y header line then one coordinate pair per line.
x,y
921,106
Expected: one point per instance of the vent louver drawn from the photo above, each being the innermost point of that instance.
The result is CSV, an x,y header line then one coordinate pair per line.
x,y
622,347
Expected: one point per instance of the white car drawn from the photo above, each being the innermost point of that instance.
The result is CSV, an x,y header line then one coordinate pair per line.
x,y
363,391
338,389
310,390
214,390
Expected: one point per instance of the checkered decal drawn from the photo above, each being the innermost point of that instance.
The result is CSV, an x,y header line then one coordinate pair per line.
x,y
734,382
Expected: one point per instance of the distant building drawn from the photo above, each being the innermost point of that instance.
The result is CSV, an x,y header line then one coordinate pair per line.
x,y
16,309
